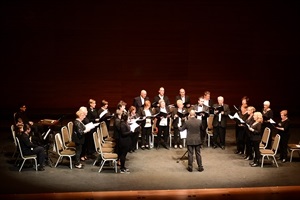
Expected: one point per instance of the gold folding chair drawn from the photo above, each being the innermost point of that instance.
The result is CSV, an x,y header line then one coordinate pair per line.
x,y
105,156
171,131
28,157
265,138
97,144
62,151
16,150
292,148
103,142
105,133
68,144
209,129
270,152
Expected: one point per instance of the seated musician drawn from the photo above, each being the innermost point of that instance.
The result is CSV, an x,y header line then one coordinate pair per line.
x,y
29,148
36,129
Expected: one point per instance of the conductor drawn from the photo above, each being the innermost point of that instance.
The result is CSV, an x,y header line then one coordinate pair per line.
x,y
193,140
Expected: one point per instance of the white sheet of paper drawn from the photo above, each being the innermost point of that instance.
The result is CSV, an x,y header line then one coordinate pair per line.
x,y
133,126
183,134
90,125
103,113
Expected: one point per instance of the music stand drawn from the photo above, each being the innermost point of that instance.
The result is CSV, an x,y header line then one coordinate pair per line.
x,y
182,156
183,136
46,137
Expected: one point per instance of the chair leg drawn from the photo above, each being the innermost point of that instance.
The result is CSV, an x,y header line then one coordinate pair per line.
x,y
291,156
151,139
275,161
116,166
262,161
208,140
35,161
70,162
57,161
97,158
102,164
22,165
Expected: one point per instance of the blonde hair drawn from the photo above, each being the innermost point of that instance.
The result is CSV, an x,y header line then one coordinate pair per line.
x,y
259,116
80,113
284,112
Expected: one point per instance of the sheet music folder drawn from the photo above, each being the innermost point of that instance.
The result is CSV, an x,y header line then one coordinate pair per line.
x,y
182,115
202,113
163,114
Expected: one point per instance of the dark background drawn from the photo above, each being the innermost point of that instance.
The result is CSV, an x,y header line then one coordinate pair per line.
x,y
56,56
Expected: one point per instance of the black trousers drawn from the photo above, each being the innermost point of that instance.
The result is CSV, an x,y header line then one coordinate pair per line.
x,y
219,132
177,139
40,152
123,153
256,151
146,132
78,153
134,138
191,150
163,130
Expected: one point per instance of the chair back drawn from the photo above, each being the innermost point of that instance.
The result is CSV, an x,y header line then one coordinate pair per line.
x,y
210,122
154,127
276,143
12,127
28,157
100,134
265,138
96,142
171,126
65,135
59,143
70,129
20,149
104,130
14,118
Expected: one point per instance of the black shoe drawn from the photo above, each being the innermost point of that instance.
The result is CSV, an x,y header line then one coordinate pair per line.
x,y
283,161
254,165
41,168
240,153
189,169
237,152
215,146
200,169
143,148
79,166
157,147
251,163
249,158
223,147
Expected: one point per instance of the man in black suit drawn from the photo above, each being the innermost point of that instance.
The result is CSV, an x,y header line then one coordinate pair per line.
x,y
193,140
161,95
138,102
221,111
202,112
185,98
